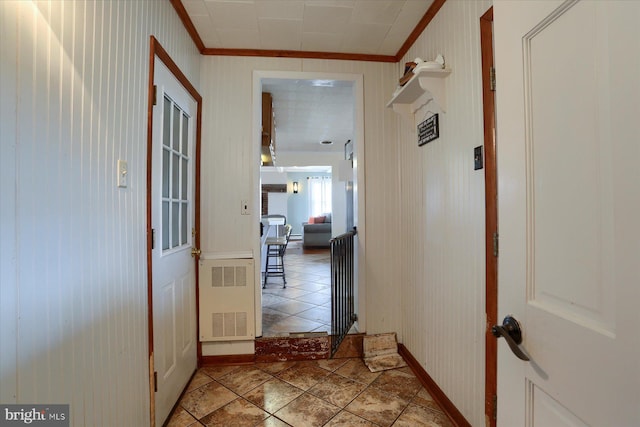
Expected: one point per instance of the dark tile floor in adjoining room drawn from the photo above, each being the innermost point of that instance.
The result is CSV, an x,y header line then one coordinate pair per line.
x,y
328,392
305,304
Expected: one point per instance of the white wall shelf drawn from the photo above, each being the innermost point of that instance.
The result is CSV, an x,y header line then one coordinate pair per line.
x,y
424,86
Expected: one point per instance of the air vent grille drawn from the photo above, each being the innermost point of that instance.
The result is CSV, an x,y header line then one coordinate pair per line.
x,y
229,324
228,276
227,300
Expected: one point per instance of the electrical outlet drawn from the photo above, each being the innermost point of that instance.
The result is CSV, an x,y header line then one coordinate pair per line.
x,y
244,207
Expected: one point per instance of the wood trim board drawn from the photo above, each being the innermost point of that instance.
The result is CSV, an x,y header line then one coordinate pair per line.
x,y
432,387
491,216
417,31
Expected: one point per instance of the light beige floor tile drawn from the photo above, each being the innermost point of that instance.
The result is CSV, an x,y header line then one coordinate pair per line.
x,y
347,419
216,372
274,368
273,395
331,364
307,411
198,380
314,298
294,324
244,379
206,399
272,422
317,314
288,292
377,406
424,399
356,370
303,375
416,415
291,307
237,413
397,383
310,285
270,299
181,418
337,390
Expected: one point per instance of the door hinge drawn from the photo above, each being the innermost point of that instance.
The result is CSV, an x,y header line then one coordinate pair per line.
x,y
155,381
495,244
495,407
492,78
155,94
153,238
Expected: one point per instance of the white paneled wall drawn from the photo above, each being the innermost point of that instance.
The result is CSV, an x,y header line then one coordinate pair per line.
x,y
74,283
229,171
442,217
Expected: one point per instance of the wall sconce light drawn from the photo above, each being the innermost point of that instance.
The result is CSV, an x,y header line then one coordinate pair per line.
x,y
295,187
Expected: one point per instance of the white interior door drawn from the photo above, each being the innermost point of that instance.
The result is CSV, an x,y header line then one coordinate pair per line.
x,y
568,115
174,311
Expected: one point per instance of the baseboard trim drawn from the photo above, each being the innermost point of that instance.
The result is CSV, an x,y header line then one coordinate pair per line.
x,y
231,359
434,390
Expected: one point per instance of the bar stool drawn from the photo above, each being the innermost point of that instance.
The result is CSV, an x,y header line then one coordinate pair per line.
x,y
276,247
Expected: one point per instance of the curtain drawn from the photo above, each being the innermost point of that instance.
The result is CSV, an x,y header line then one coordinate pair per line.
x,y
319,195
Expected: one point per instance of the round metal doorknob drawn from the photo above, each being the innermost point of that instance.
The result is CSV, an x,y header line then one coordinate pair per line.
x,y
510,331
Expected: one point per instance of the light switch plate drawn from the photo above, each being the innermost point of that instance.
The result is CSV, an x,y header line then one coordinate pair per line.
x,y
122,174
244,207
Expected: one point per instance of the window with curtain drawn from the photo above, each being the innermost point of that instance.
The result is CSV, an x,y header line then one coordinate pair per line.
x,y
319,191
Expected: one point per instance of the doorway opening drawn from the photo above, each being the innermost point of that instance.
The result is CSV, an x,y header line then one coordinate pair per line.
x,y
308,163
296,281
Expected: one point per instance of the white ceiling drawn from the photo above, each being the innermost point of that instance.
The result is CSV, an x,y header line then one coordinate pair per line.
x,y
310,111
305,112
377,27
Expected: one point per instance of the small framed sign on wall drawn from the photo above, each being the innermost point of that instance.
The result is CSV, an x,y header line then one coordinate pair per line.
x,y
428,130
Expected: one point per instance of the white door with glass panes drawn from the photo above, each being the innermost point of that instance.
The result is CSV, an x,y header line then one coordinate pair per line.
x,y
568,126
174,308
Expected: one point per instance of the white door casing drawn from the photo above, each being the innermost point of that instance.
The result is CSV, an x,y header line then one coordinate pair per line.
x,y
569,210
173,184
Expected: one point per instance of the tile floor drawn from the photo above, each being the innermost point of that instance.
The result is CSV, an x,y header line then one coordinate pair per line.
x,y
305,304
328,392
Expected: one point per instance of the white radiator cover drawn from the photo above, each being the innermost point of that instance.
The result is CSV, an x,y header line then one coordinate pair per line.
x,y
227,309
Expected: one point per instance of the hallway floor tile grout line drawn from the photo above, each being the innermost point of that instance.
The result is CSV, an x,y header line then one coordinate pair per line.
x,y
305,304
327,392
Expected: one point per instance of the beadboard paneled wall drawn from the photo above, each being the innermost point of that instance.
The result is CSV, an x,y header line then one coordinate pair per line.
x,y
74,283
442,218
229,169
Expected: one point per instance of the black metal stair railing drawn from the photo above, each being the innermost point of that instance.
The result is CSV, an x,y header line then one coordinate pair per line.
x,y
343,313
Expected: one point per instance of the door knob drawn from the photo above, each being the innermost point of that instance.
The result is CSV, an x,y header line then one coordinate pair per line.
x,y
195,252
510,331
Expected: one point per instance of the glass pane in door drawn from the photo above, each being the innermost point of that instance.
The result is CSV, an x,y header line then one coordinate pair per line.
x,y
176,183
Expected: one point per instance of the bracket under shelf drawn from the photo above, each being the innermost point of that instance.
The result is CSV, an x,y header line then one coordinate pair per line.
x,y
426,85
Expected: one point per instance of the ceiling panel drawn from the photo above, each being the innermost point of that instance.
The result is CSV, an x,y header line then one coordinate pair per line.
x,y
377,27
308,112
280,33
280,9
377,12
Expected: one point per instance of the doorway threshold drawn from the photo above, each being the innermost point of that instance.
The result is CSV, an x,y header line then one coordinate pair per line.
x,y
305,346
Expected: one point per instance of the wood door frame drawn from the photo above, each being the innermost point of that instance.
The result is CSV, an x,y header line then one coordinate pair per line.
x,y
491,217
156,50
